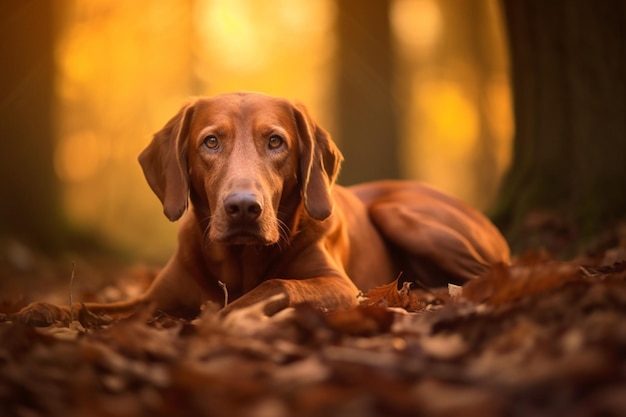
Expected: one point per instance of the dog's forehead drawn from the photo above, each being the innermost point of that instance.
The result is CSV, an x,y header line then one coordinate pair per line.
x,y
245,107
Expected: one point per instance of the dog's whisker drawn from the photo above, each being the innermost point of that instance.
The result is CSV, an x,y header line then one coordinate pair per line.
x,y
284,232
205,232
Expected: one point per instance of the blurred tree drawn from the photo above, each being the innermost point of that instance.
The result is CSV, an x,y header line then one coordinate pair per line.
x,y
30,203
366,128
472,54
569,79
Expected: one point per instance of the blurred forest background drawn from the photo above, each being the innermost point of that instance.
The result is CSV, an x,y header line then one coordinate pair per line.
x,y
417,89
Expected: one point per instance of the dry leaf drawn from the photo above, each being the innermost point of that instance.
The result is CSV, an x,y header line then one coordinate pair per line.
x,y
551,343
507,283
361,321
455,291
389,296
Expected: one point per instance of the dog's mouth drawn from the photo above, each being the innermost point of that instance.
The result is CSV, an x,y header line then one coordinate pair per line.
x,y
245,239
244,236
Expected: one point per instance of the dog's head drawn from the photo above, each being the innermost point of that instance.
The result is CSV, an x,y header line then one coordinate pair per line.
x,y
248,161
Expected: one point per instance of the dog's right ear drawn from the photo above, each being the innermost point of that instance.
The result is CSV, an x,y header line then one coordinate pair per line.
x,y
164,163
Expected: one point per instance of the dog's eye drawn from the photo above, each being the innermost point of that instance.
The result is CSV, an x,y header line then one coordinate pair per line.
x,y
275,142
211,142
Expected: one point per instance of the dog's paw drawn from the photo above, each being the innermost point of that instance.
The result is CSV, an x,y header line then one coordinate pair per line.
x,y
43,314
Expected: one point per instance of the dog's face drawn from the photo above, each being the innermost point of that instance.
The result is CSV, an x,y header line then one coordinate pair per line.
x,y
247,161
242,156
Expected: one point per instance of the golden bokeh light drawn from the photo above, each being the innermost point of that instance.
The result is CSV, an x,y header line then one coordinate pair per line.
x,y
448,114
78,157
236,43
500,118
248,36
448,132
417,24
458,123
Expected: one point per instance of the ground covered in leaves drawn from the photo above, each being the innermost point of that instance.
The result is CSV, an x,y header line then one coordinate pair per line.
x,y
541,338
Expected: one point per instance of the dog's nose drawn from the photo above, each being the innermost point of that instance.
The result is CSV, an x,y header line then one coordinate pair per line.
x,y
242,206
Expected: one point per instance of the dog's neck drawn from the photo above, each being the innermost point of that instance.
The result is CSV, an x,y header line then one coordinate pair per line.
x,y
243,267
240,267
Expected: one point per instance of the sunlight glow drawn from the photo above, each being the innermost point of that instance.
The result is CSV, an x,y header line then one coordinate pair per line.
x,y
238,43
448,132
449,114
458,123
417,24
500,118
77,157
248,36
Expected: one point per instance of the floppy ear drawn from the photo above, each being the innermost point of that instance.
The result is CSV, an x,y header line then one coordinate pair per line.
x,y
320,160
164,164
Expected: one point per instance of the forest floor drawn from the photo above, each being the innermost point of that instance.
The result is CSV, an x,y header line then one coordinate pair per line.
x,y
541,337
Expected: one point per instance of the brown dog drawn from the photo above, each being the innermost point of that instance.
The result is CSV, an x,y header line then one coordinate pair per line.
x,y
254,177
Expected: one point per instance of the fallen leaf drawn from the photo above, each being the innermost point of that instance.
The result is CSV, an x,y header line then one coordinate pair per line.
x,y
361,321
455,291
389,296
507,283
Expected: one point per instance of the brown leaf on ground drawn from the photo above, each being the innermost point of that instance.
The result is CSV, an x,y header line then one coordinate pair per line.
x,y
406,297
507,283
389,296
550,342
361,321
135,339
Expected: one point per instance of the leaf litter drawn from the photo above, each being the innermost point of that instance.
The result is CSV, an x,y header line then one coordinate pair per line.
x,y
539,337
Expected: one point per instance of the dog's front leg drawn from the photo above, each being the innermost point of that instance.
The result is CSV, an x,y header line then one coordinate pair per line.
x,y
174,291
45,314
326,293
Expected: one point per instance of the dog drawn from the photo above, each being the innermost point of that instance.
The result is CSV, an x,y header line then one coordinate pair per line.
x,y
253,179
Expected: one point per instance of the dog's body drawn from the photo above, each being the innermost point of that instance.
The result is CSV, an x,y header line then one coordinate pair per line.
x,y
255,176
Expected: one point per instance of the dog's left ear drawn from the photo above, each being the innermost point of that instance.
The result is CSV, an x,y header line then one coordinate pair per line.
x,y
164,164
320,160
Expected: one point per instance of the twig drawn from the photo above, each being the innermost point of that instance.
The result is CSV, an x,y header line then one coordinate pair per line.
x,y
586,272
223,286
417,282
72,291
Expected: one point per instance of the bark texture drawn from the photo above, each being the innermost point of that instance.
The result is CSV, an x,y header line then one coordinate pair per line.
x,y
569,79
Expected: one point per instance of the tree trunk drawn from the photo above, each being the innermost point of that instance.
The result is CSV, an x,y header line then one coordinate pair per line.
x,y
569,80
367,130
30,204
